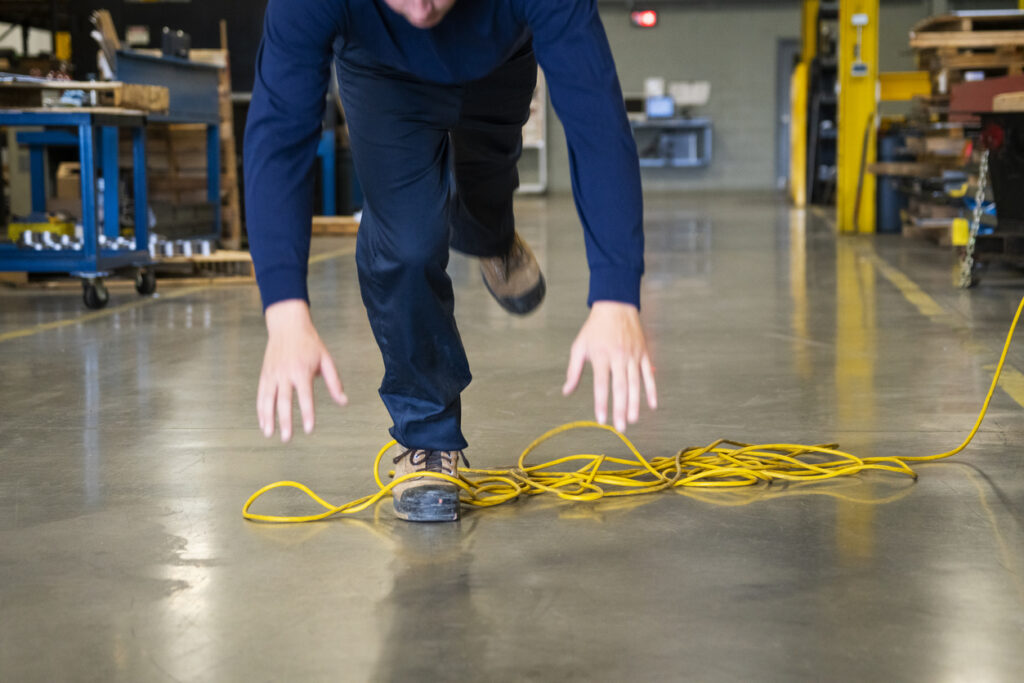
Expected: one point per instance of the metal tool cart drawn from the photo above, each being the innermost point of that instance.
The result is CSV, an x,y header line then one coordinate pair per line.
x,y
100,252
95,131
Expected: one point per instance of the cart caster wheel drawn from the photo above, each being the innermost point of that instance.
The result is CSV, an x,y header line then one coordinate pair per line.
x,y
145,281
95,294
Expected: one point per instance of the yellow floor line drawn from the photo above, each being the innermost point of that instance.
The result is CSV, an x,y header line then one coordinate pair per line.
x,y
928,307
328,255
1012,381
177,293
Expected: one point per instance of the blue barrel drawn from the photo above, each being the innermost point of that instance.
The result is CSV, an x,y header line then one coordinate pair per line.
x,y
890,200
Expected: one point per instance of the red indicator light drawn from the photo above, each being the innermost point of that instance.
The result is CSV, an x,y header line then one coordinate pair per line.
x,y
644,19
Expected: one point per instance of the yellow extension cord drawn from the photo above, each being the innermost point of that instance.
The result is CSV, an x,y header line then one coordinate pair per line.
x,y
722,464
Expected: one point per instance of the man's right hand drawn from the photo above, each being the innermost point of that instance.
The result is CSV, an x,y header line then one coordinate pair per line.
x,y
295,355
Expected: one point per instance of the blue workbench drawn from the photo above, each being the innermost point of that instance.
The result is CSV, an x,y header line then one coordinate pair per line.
x,y
95,132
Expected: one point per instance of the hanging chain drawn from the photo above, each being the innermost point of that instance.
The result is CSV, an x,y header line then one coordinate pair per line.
x,y
967,266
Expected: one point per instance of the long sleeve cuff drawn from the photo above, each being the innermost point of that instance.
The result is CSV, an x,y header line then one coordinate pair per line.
x,y
281,284
614,283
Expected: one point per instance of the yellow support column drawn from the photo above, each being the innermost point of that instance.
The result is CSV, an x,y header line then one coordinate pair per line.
x,y
809,30
858,100
798,135
800,93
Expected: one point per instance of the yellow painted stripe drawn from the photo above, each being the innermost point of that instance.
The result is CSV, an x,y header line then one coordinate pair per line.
x,y
95,315
1012,382
328,255
929,307
177,293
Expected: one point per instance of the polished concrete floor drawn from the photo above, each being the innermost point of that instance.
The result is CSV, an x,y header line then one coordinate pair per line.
x,y
128,443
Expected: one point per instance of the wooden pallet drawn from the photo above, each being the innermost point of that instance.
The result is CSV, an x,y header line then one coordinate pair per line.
x,y
224,263
335,225
936,230
950,47
221,267
969,30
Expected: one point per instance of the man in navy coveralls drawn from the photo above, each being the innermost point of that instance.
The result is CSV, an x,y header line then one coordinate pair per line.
x,y
436,93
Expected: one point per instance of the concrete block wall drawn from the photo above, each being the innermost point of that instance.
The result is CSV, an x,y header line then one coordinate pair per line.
x,y
734,47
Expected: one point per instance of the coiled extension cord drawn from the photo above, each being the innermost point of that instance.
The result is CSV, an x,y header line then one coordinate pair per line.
x,y
588,477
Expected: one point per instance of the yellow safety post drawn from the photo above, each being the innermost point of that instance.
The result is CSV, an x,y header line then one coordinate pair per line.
x,y
798,135
800,94
809,30
858,101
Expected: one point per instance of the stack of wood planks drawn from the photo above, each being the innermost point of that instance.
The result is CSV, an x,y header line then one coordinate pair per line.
x,y
968,55
969,46
177,154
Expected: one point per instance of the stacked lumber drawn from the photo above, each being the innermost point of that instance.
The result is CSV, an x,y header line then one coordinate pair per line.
x,y
967,46
335,225
176,171
177,153
934,198
231,212
967,55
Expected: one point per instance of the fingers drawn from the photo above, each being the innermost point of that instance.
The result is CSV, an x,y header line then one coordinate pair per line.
x,y
304,391
265,406
633,407
600,366
620,393
652,389
284,410
332,380
577,360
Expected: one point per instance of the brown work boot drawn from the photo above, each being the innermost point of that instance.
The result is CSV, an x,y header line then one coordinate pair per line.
x,y
427,499
514,279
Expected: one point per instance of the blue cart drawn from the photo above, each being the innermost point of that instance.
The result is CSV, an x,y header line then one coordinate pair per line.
x,y
95,132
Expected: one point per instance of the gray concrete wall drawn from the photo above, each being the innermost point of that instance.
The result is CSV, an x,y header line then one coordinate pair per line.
x,y
734,47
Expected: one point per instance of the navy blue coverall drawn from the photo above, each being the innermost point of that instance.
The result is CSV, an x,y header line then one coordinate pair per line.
x,y
435,119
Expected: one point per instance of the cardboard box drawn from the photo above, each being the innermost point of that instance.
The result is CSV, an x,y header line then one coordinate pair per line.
x,y
69,181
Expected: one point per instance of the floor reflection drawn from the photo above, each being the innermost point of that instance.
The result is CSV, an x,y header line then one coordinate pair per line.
x,y
800,329
434,629
856,351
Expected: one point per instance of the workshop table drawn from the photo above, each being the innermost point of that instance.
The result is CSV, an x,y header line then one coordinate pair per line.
x,y
96,132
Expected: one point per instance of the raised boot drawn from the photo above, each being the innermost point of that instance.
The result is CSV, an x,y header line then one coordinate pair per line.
x,y
514,279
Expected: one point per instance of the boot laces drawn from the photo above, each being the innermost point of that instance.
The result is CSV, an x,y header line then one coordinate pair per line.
x,y
443,462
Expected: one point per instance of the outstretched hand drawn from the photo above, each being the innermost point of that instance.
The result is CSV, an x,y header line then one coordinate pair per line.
x,y
612,339
295,356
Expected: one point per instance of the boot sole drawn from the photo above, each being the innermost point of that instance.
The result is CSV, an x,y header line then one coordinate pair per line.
x,y
429,504
524,304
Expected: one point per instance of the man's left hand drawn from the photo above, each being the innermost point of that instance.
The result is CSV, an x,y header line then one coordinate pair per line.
x,y
612,339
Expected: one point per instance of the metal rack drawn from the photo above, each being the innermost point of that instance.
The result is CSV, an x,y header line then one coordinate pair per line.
x,y
193,91
95,258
